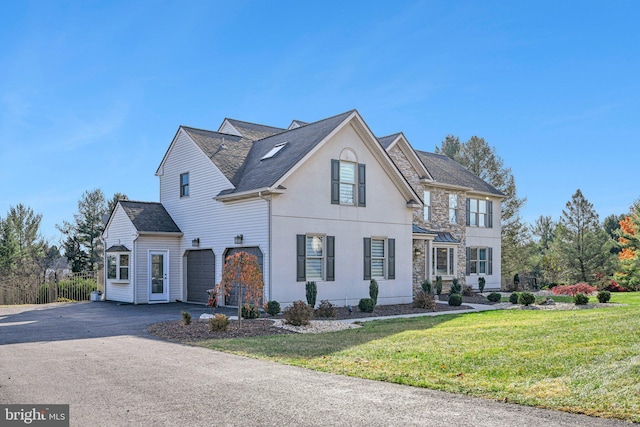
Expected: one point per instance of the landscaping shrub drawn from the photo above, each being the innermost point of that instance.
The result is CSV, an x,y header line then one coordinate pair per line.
x,y
366,305
513,298
494,297
455,300
424,300
580,299
456,288
298,314
426,286
438,285
526,298
186,317
373,291
604,296
516,280
272,307
312,293
578,288
481,284
467,291
614,287
219,322
326,309
250,311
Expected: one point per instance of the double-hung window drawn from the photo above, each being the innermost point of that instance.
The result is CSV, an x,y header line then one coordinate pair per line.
x,y
453,208
444,261
427,205
184,184
479,261
379,258
479,213
348,183
117,266
315,257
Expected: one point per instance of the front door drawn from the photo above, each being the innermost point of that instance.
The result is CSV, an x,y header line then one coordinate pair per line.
x,y
158,276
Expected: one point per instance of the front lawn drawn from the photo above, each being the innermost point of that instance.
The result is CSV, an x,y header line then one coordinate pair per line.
x,y
584,361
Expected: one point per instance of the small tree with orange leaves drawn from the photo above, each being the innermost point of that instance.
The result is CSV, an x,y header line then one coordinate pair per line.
x,y
242,272
628,275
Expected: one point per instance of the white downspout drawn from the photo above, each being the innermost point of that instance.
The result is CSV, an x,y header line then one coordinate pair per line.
x,y
134,285
268,200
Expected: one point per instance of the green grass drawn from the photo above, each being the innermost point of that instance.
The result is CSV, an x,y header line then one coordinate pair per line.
x,y
584,361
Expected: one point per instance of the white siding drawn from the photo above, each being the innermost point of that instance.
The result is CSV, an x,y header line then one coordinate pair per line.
x,y
120,232
306,208
491,238
146,244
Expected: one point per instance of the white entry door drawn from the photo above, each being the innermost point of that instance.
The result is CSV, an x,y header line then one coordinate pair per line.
x,y
158,276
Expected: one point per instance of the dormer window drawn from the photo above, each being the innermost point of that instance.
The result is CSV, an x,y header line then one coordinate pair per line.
x,y
275,150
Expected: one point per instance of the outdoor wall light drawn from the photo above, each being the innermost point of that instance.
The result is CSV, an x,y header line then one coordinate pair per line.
x,y
238,239
195,242
417,252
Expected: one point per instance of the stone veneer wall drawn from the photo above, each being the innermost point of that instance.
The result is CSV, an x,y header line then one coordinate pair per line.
x,y
439,219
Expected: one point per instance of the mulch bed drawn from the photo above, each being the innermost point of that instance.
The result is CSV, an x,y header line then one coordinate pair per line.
x,y
198,330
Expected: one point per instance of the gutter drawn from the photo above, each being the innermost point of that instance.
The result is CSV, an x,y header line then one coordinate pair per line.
x,y
269,226
135,270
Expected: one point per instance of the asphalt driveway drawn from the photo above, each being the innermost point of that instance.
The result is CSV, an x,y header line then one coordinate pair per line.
x,y
98,358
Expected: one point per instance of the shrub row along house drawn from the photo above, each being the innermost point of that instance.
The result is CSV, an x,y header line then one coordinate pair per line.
x,y
324,201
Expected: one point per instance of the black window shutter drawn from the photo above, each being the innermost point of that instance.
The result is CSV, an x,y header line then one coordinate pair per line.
x,y
367,258
335,182
391,259
301,273
468,262
331,257
490,261
362,185
490,214
468,211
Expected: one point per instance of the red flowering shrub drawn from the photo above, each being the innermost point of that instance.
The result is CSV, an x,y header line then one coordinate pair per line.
x,y
578,288
614,287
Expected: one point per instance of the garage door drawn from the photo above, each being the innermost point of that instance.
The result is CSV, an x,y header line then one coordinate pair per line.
x,y
232,298
201,274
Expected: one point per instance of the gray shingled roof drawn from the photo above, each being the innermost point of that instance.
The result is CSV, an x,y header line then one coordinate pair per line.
x,y
385,141
228,159
254,131
444,169
118,248
258,173
149,217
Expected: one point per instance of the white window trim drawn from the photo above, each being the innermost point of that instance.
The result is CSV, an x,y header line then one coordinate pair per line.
x,y
478,260
321,258
183,186
119,266
353,185
475,215
426,195
383,258
454,208
434,264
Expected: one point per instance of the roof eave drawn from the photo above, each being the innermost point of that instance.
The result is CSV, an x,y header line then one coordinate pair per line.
x,y
249,194
161,233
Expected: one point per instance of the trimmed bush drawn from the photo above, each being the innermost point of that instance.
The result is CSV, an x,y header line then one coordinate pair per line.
x,y
580,299
312,293
513,298
186,317
456,288
326,309
366,305
467,291
250,311
604,296
219,322
272,307
526,298
438,285
426,286
424,300
481,283
298,314
373,291
455,300
578,288
494,297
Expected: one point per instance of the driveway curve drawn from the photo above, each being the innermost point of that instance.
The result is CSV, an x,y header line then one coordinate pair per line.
x,y
117,375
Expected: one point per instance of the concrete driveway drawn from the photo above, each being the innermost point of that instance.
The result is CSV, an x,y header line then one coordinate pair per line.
x,y
98,358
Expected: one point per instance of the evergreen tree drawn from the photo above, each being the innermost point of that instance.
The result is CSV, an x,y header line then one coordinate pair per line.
x,y
20,243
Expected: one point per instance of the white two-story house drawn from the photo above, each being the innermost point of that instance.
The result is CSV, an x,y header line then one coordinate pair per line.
x,y
319,202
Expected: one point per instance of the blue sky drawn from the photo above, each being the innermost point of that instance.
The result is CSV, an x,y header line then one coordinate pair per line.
x,y
91,93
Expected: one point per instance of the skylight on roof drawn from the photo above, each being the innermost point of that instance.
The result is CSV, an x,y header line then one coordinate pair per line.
x,y
275,150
